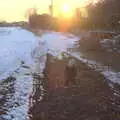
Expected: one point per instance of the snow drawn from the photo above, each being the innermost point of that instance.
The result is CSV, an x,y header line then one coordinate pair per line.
x,y
111,44
107,72
57,42
20,100
16,46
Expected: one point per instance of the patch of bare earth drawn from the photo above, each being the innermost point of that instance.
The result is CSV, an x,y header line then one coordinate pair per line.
x,y
73,93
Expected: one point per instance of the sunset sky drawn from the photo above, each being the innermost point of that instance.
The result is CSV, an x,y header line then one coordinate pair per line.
x,y
15,10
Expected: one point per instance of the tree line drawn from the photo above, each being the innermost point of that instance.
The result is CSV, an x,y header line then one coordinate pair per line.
x,y
105,14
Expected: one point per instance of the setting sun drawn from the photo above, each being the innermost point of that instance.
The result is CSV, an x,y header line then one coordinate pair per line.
x,y
66,10
15,10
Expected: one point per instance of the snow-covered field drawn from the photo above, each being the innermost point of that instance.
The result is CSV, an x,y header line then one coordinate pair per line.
x,y
58,43
16,46
21,54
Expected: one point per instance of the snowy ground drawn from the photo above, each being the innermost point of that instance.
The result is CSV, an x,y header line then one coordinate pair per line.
x,y
21,54
111,45
16,46
111,75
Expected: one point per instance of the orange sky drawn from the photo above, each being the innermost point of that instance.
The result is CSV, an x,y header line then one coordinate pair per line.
x,y
14,10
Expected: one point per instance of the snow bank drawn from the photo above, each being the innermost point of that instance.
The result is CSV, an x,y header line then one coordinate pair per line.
x,y
106,71
57,42
16,45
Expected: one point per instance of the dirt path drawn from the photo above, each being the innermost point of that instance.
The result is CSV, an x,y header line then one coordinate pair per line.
x,y
86,96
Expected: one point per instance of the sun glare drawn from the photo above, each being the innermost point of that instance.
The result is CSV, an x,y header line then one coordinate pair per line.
x,y
14,10
66,10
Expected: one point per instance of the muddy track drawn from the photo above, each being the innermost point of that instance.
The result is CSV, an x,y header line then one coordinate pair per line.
x,y
86,96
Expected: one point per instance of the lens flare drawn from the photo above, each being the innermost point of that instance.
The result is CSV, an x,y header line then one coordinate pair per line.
x,y
66,10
